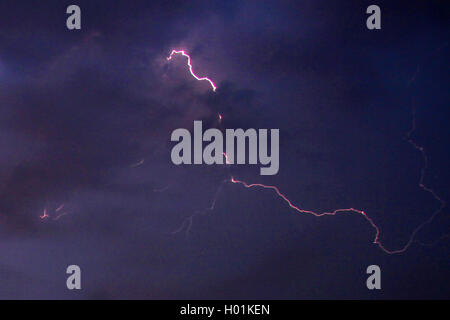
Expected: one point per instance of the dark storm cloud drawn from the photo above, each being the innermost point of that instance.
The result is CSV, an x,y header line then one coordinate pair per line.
x,y
86,117
94,107
79,134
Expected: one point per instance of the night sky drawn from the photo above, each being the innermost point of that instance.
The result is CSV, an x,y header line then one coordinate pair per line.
x,y
85,124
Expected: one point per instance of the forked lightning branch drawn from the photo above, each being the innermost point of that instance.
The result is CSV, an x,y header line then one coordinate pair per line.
x,y
216,153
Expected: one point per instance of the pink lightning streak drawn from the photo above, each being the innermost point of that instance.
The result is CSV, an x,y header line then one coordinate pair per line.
x,y
183,53
44,215
56,215
349,210
376,240
335,212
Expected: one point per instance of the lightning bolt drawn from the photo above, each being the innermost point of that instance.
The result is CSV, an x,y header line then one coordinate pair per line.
x,y
350,210
44,215
188,221
57,213
183,53
376,240
137,164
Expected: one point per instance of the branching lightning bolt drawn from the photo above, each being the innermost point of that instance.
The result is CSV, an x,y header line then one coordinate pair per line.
x,y
183,53
352,210
44,215
188,222
376,240
56,215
